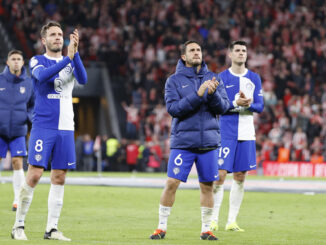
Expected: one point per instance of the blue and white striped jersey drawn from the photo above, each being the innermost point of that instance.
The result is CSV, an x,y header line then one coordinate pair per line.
x,y
53,82
238,122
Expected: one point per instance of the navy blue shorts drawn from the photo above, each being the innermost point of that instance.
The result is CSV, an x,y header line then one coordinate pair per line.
x,y
16,146
58,144
237,156
181,162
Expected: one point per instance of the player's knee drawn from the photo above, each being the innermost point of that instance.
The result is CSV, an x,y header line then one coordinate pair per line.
x,y
239,176
58,180
172,185
17,163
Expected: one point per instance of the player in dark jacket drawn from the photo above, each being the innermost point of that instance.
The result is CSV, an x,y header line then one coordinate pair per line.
x,y
194,98
16,105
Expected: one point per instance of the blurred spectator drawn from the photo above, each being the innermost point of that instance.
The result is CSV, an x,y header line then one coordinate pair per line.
x,y
132,155
88,157
112,146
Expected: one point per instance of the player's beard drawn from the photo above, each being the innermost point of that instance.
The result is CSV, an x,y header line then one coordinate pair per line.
x,y
195,62
54,49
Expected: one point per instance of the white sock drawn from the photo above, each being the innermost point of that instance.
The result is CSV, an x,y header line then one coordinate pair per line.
x,y
206,218
17,181
236,196
218,198
55,202
24,201
164,213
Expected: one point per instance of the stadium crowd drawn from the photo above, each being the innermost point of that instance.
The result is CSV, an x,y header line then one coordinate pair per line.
x,y
139,41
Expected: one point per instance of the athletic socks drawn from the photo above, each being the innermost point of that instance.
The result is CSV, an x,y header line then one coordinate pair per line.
x,y
55,202
164,213
206,218
218,193
24,201
236,196
17,181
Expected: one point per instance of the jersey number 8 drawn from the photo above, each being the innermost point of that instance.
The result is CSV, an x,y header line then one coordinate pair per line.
x,y
39,146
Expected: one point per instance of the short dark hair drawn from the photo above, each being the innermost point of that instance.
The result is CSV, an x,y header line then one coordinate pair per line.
x,y
15,51
46,27
184,46
238,42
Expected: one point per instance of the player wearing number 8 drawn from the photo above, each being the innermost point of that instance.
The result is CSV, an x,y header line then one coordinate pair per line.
x,y
194,97
52,134
237,153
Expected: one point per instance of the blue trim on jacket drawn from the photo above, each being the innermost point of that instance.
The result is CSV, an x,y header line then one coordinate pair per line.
x,y
16,103
194,123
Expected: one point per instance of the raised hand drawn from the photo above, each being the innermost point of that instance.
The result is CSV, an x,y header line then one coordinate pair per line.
x,y
73,44
243,100
212,85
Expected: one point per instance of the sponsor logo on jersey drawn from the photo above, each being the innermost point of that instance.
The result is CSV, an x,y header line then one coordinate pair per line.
x,y
22,90
229,86
58,85
57,96
184,86
38,157
176,171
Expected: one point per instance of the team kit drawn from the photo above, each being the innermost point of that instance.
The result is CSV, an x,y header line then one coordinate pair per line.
x,y
212,122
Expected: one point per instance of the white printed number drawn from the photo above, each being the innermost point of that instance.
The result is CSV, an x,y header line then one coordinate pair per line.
x,y
225,151
178,160
39,146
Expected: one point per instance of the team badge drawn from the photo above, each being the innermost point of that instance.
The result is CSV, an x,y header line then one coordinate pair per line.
x,y
38,157
220,161
33,62
176,171
249,86
68,69
22,90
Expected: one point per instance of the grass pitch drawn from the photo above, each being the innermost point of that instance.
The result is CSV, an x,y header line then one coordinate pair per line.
x,y
113,215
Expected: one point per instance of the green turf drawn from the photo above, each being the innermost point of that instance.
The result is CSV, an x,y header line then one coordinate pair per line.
x,y
114,215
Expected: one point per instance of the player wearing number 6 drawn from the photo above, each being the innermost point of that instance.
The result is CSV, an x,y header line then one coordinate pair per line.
x,y
194,97
237,153
52,133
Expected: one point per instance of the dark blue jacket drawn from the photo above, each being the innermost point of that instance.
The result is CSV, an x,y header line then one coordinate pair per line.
x,y
16,103
195,123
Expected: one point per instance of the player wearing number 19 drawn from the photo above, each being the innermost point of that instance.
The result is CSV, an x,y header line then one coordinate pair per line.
x,y
52,133
238,150
194,97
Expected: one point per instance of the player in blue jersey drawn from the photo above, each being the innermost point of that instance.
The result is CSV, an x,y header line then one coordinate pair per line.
x,y
237,153
194,97
16,106
52,134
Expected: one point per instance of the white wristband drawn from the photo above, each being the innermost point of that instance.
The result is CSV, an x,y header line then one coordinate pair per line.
x,y
234,103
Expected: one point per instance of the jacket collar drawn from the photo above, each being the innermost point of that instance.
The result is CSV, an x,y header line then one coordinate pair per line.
x,y
191,71
13,78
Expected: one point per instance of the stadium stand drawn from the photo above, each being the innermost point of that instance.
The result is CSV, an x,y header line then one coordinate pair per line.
x,y
139,41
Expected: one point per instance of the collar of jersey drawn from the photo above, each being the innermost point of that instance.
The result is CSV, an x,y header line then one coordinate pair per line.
x,y
238,75
52,58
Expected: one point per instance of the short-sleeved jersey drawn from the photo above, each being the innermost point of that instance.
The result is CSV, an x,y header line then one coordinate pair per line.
x,y
53,98
238,123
